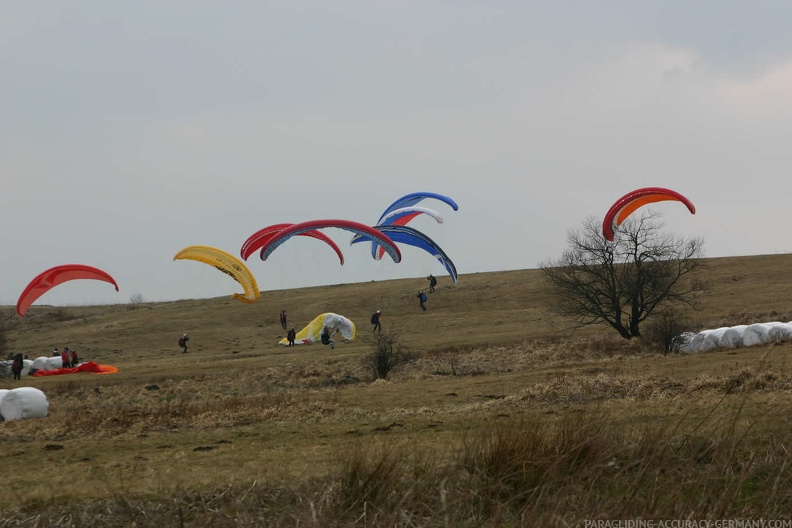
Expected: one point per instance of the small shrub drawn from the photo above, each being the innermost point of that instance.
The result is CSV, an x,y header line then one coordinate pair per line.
x,y
663,328
387,352
136,298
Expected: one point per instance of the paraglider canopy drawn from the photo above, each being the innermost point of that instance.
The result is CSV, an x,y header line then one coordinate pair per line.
x,y
326,321
404,209
369,233
260,238
228,264
405,214
413,198
627,204
402,234
54,276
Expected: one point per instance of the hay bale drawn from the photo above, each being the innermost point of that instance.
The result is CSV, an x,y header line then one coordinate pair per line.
x,y
23,403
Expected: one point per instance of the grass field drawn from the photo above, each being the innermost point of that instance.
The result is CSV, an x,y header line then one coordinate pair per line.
x,y
501,416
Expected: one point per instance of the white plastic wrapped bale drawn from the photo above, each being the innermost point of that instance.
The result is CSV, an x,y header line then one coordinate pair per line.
x,y
713,338
781,332
758,333
5,367
733,336
27,364
40,363
48,363
3,392
54,363
690,342
24,403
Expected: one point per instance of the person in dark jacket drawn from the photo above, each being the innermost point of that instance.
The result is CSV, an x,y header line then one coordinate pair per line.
x,y
283,318
422,299
432,283
16,367
183,343
291,336
375,320
326,339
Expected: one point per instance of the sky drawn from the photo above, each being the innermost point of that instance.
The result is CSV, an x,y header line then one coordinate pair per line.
x,y
131,130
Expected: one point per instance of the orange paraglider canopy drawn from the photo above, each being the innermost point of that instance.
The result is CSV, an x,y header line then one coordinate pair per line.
x,y
52,277
89,367
627,204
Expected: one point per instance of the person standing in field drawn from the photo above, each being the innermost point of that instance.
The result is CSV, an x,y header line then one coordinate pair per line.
x,y
65,359
422,299
283,318
291,336
375,320
432,283
75,359
16,367
183,343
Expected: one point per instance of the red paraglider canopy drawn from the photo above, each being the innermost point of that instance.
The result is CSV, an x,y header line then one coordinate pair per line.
x,y
258,239
271,243
90,367
631,201
55,276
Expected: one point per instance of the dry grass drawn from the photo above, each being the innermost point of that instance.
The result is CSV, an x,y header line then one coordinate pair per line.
x,y
500,416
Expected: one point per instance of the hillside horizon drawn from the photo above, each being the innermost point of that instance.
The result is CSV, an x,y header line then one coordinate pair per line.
x,y
483,308
126,301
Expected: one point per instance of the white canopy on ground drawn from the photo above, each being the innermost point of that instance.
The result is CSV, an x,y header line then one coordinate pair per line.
x,y
312,332
734,336
23,403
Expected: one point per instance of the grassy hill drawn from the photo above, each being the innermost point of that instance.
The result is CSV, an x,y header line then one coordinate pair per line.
x,y
502,411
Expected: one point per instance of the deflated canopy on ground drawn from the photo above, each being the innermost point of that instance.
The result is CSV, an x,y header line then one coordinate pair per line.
x,y
369,233
258,239
407,235
228,264
88,367
627,204
313,332
54,276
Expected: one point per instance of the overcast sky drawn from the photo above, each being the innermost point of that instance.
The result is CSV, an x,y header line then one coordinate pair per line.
x,y
130,130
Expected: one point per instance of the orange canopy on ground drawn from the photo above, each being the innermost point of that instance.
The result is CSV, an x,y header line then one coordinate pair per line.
x,y
90,367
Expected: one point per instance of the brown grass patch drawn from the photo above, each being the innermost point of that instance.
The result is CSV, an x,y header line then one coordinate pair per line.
x,y
500,416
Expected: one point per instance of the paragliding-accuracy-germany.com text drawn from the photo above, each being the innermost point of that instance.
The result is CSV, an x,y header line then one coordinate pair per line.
x,y
687,523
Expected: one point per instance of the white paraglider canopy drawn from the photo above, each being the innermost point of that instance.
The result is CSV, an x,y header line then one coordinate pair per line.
x,y
313,332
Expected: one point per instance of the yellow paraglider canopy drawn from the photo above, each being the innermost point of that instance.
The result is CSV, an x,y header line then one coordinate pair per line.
x,y
228,264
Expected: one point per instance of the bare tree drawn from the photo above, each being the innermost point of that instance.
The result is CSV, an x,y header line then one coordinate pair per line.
x,y
622,283
136,298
